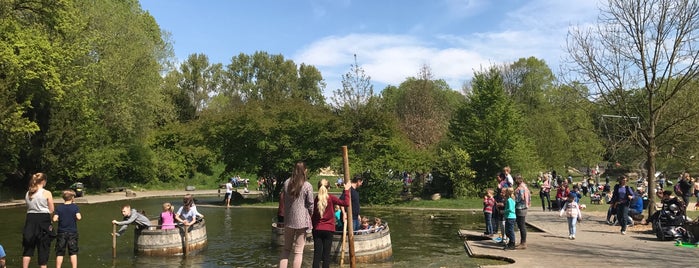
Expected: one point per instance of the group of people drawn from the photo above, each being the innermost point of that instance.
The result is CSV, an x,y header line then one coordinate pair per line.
x,y
186,215
507,207
302,211
38,232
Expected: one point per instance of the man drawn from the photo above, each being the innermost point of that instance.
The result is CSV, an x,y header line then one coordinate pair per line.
x,y
131,216
686,188
229,192
667,201
354,194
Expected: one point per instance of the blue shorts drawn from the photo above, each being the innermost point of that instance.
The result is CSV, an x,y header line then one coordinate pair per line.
x,y
67,240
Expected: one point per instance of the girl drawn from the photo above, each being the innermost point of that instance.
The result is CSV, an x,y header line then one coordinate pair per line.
x,y
488,204
298,208
573,213
37,226
167,217
323,221
510,217
378,225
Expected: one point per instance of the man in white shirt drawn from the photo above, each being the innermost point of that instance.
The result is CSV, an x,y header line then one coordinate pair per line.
x,y
229,193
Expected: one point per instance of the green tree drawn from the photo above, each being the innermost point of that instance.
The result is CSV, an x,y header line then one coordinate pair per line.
x,y
648,49
488,127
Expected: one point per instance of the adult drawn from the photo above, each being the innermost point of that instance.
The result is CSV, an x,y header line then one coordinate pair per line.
x,y
667,201
636,206
545,192
229,193
696,193
621,199
354,194
562,193
131,216
522,203
298,208
188,213
323,221
686,187
37,226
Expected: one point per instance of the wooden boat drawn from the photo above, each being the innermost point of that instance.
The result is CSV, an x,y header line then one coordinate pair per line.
x,y
159,242
371,247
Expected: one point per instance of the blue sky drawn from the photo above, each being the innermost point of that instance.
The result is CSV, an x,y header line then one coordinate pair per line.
x,y
392,39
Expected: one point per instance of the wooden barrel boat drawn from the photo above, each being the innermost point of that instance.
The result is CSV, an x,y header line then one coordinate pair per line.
x,y
159,242
372,247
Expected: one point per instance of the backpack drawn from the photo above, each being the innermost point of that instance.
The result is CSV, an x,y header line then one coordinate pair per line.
x,y
678,190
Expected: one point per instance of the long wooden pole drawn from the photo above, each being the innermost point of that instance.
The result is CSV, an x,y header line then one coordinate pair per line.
x,y
344,239
345,160
113,240
186,240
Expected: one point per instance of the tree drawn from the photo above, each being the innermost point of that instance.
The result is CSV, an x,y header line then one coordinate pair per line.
x,y
199,80
648,49
488,127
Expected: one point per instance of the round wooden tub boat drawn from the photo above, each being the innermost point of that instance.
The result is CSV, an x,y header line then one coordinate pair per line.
x,y
373,247
158,242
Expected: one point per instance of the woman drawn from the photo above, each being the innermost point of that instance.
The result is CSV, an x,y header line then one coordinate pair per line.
x,y
298,208
545,192
522,203
323,221
37,227
621,198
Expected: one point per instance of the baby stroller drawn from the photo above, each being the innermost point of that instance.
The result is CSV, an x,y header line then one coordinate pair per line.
x,y
668,223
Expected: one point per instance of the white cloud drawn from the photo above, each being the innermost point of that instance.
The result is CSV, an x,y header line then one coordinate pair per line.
x,y
536,29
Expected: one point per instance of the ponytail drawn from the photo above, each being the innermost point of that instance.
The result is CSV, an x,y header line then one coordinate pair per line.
x,y
322,197
34,182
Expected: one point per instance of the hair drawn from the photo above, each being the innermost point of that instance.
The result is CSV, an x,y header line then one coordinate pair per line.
x,y
489,191
68,195
519,179
356,179
168,207
506,169
509,192
377,221
667,192
34,183
502,175
365,219
322,196
127,206
187,201
298,177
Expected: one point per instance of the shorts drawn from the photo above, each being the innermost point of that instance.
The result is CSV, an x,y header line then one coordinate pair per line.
x,y
228,195
67,240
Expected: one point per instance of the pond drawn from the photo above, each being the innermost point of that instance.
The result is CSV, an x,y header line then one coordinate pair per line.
x,y
241,237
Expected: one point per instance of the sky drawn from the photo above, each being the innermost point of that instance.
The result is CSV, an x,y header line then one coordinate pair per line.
x,y
392,39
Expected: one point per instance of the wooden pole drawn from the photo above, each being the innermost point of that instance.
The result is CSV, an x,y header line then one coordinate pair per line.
x,y
344,239
113,240
345,160
186,240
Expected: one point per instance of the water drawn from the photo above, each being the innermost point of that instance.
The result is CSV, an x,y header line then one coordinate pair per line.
x,y
240,237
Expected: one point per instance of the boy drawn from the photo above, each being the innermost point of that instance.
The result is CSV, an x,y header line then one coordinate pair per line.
x,y
131,216
67,216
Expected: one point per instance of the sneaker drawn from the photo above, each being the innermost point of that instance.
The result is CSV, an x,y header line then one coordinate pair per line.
x,y
521,246
572,237
623,232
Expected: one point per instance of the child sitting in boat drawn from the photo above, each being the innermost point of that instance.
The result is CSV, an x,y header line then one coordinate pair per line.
x,y
378,224
167,217
364,227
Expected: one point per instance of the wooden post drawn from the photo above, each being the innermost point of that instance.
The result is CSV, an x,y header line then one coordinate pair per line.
x,y
345,160
113,240
186,240
344,239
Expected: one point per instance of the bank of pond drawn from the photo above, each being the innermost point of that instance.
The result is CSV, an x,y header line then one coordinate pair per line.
x,y
240,237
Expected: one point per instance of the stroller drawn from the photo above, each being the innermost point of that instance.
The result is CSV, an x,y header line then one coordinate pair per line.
x,y
668,223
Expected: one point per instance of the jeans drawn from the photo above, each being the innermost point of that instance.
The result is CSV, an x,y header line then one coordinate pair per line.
x,y
622,214
571,225
322,245
488,223
522,226
545,200
495,220
510,231
294,241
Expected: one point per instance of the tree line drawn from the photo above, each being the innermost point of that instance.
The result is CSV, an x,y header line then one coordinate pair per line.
x,y
90,92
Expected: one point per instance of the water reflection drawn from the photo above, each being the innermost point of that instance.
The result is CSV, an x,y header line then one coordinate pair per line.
x,y
240,237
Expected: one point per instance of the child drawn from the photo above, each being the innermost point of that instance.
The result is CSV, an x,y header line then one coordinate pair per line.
x,y
131,216
510,217
378,225
339,223
167,217
365,224
2,257
488,204
67,216
573,213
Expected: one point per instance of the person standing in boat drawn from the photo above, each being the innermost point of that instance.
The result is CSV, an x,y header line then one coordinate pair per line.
x,y
354,194
37,226
131,216
187,214
298,208
323,221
